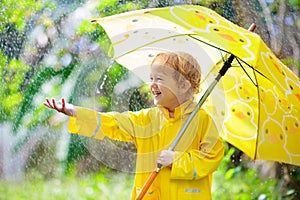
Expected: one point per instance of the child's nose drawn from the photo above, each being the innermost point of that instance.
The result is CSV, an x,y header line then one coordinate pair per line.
x,y
153,84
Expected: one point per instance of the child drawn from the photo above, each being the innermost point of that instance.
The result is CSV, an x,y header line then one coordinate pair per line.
x,y
187,170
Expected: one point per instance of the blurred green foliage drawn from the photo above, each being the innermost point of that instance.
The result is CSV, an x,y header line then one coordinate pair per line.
x,y
19,12
241,183
12,76
33,88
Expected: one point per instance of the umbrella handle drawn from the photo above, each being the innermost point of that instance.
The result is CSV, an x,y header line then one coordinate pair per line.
x,y
222,72
148,182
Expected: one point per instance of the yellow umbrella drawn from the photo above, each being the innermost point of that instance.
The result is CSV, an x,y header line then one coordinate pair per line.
x,y
256,103
258,100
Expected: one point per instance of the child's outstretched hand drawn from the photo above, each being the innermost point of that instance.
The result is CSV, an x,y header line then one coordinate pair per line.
x,y
61,106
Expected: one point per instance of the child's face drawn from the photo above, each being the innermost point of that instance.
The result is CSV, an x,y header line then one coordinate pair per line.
x,y
165,89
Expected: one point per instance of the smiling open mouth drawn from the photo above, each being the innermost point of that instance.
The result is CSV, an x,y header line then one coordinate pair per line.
x,y
156,93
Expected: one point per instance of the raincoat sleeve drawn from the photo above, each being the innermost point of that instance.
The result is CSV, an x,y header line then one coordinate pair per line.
x,y
118,126
201,162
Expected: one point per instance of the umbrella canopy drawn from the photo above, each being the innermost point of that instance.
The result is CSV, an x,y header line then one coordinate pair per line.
x,y
256,103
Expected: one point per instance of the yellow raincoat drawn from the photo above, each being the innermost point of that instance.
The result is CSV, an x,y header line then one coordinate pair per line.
x,y
197,155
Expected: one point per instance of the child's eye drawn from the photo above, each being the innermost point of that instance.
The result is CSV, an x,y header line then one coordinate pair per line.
x,y
155,79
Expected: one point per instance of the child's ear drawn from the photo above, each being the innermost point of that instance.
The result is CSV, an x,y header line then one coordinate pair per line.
x,y
186,85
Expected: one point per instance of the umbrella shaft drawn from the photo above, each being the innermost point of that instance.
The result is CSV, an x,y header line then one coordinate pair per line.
x,y
225,67
196,109
221,73
147,184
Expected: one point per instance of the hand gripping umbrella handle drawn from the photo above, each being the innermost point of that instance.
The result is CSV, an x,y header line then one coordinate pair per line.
x,y
221,73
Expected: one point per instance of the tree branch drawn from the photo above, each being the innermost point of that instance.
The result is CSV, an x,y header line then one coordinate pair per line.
x,y
270,26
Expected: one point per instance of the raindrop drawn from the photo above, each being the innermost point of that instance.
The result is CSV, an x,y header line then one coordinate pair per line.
x,y
50,60
77,47
262,197
89,190
57,190
66,59
42,40
94,46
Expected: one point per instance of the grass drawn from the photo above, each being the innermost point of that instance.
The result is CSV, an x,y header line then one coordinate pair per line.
x,y
113,185
89,187
235,183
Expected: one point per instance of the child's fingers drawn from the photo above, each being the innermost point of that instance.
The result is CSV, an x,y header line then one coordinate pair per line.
x,y
48,103
55,106
63,103
59,106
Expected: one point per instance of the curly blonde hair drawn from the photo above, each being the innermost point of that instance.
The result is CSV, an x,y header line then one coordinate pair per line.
x,y
185,64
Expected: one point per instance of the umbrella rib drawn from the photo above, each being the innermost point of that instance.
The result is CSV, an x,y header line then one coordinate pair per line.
x,y
247,72
191,35
253,68
237,58
212,69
